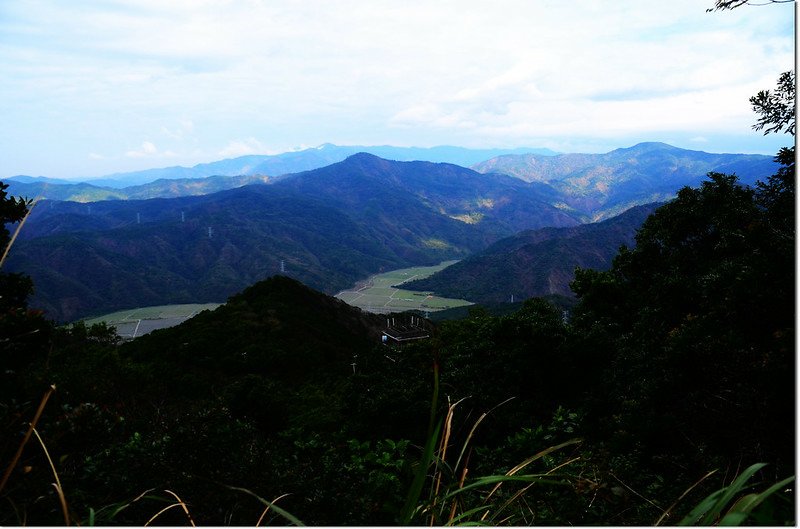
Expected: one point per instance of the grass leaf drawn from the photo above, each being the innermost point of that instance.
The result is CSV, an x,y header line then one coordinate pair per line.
x,y
741,509
415,491
287,515
707,512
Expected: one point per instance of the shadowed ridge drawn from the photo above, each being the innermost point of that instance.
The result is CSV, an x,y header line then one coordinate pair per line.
x,y
535,262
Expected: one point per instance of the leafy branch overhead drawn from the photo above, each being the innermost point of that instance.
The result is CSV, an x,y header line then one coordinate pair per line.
x,y
720,5
776,109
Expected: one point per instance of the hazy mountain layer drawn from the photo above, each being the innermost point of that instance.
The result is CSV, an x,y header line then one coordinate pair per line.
x,y
163,188
603,185
293,162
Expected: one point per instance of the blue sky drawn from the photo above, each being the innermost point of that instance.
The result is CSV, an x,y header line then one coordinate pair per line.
x,y
95,87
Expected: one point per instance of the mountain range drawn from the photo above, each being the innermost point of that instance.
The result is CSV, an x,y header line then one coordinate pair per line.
x,y
590,187
328,226
604,185
288,162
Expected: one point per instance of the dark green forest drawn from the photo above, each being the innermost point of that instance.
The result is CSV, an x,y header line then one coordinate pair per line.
x,y
665,396
535,263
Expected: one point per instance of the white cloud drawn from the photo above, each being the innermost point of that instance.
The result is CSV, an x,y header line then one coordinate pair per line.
x,y
149,150
243,147
416,72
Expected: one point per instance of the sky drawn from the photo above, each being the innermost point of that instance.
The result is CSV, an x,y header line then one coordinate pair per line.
x,y
90,88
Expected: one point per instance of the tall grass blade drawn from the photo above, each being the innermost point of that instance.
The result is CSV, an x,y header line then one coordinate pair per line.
x,y
654,504
707,512
435,398
693,518
442,454
441,459
731,491
475,427
27,436
116,508
461,481
741,509
287,515
503,478
667,512
16,232
57,484
266,510
533,458
466,514
162,511
182,504
525,489
414,493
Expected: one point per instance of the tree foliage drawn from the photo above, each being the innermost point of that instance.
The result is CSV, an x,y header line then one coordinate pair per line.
x,y
691,359
721,5
776,108
14,288
697,321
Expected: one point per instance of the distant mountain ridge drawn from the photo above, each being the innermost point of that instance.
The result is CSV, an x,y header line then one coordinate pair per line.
x,y
589,187
290,162
603,185
163,188
535,262
24,179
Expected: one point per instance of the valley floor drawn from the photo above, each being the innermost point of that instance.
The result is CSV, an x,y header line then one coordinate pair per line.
x,y
131,323
379,293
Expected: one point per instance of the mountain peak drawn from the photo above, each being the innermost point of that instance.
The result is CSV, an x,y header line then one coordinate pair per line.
x,y
365,160
363,156
647,146
279,286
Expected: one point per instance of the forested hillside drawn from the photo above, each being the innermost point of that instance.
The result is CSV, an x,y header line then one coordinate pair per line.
x,y
535,263
330,227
